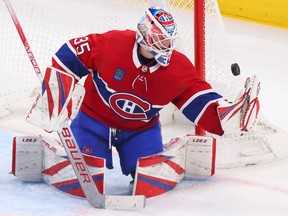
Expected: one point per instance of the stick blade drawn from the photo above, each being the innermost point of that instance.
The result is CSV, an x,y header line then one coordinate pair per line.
x,y
125,202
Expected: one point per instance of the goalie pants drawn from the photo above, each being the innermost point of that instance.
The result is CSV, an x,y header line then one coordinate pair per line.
x,y
95,138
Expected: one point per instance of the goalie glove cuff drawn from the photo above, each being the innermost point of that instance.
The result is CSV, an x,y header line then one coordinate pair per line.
x,y
251,107
241,114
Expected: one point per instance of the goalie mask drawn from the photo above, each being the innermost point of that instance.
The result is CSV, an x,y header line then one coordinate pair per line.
x,y
156,32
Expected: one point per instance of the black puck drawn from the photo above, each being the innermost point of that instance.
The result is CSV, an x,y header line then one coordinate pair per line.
x,y
235,69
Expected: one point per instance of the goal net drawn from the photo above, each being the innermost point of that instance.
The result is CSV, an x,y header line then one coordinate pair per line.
x,y
48,24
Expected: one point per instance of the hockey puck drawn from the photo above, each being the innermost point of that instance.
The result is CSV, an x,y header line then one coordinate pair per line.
x,y
235,69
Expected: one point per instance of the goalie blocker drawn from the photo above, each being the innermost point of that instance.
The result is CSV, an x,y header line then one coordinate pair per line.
x,y
59,99
37,159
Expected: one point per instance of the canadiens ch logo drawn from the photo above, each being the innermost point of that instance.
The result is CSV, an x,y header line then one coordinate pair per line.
x,y
87,150
129,106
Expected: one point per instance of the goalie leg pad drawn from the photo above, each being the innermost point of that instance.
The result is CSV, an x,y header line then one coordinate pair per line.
x,y
200,157
58,172
160,173
27,158
37,159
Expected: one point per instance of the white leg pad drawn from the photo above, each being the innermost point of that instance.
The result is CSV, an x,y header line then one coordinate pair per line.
x,y
200,157
58,172
160,173
37,159
27,158
190,157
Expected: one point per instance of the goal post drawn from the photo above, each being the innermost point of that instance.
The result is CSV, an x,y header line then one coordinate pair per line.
x,y
49,24
199,45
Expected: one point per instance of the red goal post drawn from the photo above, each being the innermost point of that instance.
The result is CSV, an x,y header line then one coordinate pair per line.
x,y
199,45
48,24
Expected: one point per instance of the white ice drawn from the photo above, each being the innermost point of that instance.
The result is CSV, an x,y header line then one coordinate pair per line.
x,y
254,190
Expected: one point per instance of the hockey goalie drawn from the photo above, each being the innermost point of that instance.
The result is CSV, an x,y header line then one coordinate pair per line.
x,y
129,77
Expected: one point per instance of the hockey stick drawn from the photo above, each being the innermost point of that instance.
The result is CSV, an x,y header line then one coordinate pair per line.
x,y
74,154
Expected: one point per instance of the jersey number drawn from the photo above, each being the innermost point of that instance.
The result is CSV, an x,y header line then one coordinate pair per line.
x,y
82,45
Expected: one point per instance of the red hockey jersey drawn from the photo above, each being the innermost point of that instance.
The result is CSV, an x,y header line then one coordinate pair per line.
x,y
125,94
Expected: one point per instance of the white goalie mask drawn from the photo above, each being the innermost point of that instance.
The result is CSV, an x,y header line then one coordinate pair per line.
x,y
157,32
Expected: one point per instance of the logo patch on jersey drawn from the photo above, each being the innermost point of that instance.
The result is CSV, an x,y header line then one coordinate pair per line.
x,y
119,74
87,150
129,106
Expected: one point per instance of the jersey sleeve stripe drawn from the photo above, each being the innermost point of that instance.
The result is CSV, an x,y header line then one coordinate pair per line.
x,y
197,105
102,88
193,97
66,58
